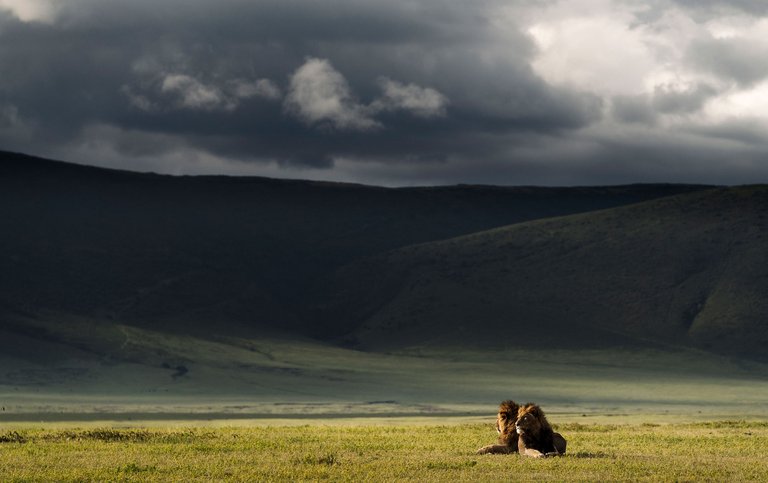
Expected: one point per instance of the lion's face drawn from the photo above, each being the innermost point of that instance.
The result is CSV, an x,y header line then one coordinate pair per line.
x,y
529,420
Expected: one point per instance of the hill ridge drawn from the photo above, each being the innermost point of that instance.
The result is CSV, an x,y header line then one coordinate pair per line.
x,y
7,157
216,256
730,221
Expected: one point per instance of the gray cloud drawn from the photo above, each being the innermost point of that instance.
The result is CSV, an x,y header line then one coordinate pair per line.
x,y
670,100
719,7
665,99
745,132
422,101
320,94
737,59
397,92
176,77
192,94
260,88
633,109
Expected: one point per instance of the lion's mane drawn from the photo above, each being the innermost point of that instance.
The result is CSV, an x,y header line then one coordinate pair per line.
x,y
536,437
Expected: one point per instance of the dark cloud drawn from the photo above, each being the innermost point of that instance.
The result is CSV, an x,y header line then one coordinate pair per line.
x,y
410,79
398,92
745,132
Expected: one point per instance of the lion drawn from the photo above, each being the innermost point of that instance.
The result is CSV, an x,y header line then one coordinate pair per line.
x,y
535,435
505,426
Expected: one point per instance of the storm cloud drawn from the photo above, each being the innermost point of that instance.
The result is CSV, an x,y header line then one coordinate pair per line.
x,y
396,92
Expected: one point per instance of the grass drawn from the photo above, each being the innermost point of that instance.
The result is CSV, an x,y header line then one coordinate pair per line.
x,y
724,451
255,377
241,413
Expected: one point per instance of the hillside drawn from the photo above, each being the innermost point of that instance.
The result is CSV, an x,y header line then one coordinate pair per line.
x,y
135,293
223,254
685,270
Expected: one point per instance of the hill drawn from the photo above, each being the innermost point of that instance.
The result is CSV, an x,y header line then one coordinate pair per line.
x,y
684,270
221,254
133,293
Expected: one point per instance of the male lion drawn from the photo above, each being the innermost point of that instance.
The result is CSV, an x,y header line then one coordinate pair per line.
x,y
505,426
536,437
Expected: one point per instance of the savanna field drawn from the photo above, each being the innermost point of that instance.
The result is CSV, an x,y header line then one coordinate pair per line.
x,y
719,451
307,240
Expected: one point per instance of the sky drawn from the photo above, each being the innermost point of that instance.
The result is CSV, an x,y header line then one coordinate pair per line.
x,y
393,92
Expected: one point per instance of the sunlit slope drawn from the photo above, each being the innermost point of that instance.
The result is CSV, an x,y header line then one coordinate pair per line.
x,y
200,254
57,370
689,270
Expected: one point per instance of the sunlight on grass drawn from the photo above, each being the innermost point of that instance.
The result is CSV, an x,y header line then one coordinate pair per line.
x,y
724,450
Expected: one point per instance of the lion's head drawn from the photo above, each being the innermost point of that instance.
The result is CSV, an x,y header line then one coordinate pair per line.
x,y
531,420
505,422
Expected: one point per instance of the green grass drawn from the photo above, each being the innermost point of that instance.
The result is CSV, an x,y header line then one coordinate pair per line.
x,y
255,379
724,451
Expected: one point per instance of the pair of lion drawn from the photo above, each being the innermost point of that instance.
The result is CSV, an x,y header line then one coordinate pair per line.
x,y
525,430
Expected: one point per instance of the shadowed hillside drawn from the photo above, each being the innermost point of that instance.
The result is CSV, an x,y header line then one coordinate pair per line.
x,y
690,270
210,254
126,292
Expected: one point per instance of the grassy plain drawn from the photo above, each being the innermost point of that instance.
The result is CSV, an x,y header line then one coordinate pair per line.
x,y
291,410
255,378
722,451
